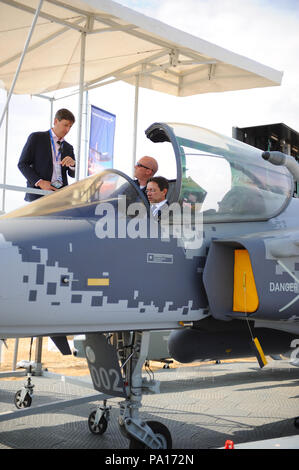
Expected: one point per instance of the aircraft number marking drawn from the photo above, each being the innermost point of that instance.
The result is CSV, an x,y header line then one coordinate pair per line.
x,y
106,379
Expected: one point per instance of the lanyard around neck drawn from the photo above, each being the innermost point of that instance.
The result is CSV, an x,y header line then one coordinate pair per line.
x,y
57,155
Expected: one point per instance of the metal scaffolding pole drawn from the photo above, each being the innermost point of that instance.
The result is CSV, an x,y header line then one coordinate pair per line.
x,y
35,18
136,104
5,158
80,106
86,135
6,107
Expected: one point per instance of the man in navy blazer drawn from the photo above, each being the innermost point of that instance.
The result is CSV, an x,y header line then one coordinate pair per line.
x,y
156,190
47,158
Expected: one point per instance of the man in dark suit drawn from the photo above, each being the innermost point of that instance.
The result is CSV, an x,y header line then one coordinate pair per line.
x,y
143,170
47,158
156,189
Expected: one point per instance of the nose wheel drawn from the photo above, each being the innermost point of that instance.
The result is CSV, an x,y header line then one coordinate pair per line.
x,y
23,397
97,427
161,433
98,419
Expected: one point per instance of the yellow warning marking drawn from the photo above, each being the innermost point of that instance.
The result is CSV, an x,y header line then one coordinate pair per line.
x,y
260,353
244,282
103,281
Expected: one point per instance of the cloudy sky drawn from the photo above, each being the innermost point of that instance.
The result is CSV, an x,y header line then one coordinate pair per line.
x,y
266,31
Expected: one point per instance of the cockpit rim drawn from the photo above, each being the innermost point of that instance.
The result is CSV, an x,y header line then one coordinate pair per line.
x,y
56,212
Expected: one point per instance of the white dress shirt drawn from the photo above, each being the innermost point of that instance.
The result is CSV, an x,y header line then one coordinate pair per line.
x,y
56,175
156,207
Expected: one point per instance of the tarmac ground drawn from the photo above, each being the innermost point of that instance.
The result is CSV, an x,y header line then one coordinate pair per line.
x,y
203,406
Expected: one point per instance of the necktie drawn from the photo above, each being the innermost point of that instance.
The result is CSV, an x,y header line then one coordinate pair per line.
x,y
57,163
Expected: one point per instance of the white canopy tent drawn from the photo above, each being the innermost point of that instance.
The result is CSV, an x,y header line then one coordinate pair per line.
x,y
94,42
117,43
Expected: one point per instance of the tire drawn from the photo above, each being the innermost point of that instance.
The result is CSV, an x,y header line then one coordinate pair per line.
x,y
161,432
26,403
99,428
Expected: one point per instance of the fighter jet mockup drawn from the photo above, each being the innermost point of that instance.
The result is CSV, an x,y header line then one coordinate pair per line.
x,y
219,267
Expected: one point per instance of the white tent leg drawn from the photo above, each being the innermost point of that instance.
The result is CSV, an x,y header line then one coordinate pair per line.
x,y
135,122
15,354
21,59
5,157
80,106
51,100
51,112
86,153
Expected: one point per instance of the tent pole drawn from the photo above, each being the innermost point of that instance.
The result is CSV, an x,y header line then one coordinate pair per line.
x,y
135,121
51,112
15,354
5,157
86,136
51,100
21,59
80,105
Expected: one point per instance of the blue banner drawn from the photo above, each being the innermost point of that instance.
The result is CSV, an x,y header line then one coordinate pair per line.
x,y
101,140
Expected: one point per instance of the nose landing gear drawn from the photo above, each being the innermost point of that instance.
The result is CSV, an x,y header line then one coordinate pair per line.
x,y
98,419
161,433
23,397
115,363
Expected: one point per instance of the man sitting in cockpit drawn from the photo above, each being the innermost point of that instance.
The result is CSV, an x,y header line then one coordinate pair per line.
x,y
156,190
145,168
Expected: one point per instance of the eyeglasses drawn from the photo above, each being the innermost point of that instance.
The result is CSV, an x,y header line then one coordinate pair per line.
x,y
143,166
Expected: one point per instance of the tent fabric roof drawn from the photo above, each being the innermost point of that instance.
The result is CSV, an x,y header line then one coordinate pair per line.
x,y
120,44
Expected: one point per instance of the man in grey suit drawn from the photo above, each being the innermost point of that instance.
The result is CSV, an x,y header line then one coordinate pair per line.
x,y
47,158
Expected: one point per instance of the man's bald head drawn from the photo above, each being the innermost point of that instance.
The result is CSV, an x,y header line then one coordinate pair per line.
x,y
150,162
145,168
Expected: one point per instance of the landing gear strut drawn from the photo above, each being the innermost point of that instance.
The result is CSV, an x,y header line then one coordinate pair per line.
x,y
115,364
23,397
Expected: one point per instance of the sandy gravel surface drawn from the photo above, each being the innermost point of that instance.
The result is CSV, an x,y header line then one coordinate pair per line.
x,y
55,362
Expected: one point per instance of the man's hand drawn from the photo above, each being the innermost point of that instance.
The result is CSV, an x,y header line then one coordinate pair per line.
x,y
68,161
46,185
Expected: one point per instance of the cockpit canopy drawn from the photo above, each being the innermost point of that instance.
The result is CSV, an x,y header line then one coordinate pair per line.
x,y
222,178
229,180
